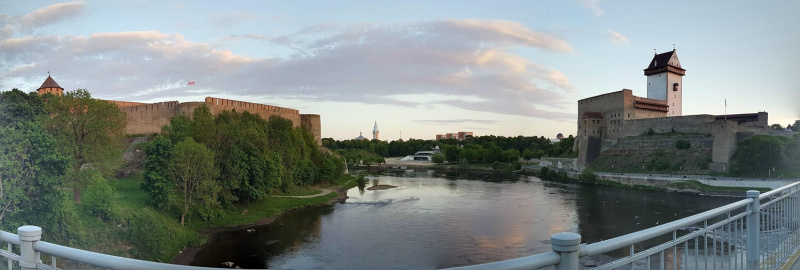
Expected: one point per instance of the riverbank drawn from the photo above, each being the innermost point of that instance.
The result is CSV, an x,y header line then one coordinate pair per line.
x,y
653,184
259,216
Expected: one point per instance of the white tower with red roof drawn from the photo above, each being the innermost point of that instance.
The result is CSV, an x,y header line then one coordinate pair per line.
x,y
665,81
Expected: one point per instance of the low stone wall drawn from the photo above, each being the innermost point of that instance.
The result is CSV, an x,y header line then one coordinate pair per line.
x,y
660,181
568,164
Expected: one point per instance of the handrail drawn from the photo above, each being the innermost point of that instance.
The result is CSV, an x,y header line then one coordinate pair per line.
x,y
529,262
9,237
636,237
777,190
107,261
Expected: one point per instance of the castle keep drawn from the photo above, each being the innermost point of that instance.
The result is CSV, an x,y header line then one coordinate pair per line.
x,y
605,120
148,118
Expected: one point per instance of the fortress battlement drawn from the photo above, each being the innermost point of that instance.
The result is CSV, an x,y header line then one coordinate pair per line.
x,y
148,118
143,118
605,119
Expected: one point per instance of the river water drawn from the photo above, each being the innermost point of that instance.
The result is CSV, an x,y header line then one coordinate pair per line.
x,y
436,220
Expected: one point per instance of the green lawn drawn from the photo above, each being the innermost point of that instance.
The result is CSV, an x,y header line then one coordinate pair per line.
x,y
113,237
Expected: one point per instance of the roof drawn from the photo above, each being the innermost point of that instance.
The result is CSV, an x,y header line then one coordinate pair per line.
x,y
665,62
596,115
360,137
50,83
375,129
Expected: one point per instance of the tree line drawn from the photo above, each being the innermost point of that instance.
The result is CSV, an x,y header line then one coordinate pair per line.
x,y
481,149
51,142
203,163
54,144
767,156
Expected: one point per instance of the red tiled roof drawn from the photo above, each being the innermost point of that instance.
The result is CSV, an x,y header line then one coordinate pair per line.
x,y
50,83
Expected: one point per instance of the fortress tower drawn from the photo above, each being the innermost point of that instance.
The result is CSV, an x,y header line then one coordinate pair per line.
x,y
50,86
664,81
375,132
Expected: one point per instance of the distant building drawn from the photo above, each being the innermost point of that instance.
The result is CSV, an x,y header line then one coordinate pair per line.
x,y
461,135
361,137
375,132
50,87
560,136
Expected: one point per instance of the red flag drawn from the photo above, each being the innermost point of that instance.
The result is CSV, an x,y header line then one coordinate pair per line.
x,y
191,82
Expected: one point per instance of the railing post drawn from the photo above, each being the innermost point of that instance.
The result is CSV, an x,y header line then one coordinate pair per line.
x,y
28,235
567,245
753,225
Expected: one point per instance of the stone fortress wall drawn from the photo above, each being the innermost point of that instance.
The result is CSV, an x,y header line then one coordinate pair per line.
x,y
604,120
149,118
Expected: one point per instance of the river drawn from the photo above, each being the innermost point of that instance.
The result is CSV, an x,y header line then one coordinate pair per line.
x,y
437,220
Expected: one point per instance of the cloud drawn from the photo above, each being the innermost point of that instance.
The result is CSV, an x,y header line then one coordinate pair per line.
x,y
52,14
616,38
458,121
593,6
366,63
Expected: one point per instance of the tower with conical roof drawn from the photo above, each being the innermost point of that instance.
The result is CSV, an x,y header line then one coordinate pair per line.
x,y
665,81
50,87
375,132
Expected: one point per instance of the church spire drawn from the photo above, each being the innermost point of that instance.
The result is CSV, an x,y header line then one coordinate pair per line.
x,y
375,131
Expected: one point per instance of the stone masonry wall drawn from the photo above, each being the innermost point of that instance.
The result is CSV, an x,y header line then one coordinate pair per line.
x,y
149,118
312,123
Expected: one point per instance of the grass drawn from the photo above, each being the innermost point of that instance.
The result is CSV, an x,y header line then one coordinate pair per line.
x,y
696,185
257,211
296,191
113,237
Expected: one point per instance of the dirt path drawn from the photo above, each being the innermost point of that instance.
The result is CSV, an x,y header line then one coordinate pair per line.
x,y
325,191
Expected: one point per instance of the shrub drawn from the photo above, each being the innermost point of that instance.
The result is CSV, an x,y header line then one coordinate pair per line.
x,y
650,132
437,158
157,237
101,199
588,176
682,144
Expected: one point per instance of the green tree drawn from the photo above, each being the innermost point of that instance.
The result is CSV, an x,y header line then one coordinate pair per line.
x,y
90,129
776,127
451,152
527,155
31,170
510,155
437,158
796,126
193,168
17,107
156,180
30,167
102,199
756,155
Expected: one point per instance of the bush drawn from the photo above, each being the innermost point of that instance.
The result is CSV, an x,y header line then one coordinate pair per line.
x,y
101,199
650,132
157,237
682,144
588,176
437,158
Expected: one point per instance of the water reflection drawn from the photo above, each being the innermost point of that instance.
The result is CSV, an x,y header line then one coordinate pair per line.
x,y
432,222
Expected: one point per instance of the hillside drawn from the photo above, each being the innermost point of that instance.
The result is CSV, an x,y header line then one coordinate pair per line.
x,y
658,153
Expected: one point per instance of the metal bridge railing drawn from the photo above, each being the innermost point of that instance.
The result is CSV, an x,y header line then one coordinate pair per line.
x,y
760,232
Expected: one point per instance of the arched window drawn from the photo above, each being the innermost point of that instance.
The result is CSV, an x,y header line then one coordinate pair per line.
x,y
675,87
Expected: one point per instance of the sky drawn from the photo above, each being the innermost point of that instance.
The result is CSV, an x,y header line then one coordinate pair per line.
x,y
417,68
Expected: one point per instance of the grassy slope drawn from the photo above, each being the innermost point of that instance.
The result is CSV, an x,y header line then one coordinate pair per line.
x,y
112,237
